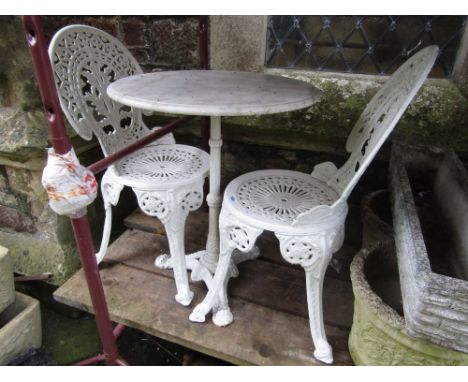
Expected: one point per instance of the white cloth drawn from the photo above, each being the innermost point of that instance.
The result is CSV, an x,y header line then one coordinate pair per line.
x,y
70,186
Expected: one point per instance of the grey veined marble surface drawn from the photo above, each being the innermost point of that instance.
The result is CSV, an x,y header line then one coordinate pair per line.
x,y
213,92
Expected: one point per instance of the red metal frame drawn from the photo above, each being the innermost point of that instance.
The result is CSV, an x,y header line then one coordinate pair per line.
x,y
203,47
62,144
205,121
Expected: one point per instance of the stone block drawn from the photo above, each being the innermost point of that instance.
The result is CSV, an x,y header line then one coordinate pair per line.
x,y
20,328
175,42
18,86
32,202
35,254
429,192
109,24
135,31
24,134
237,42
142,55
11,218
7,285
51,24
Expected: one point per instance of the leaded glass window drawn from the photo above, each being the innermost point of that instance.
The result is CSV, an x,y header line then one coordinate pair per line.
x,y
360,44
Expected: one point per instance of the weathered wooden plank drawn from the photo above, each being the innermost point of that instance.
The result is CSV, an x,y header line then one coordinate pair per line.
x,y
258,335
275,286
196,232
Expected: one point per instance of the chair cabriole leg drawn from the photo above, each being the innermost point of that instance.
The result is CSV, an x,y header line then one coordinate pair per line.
x,y
313,253
315,274
172,208
110,190
222,315
106,233
175,227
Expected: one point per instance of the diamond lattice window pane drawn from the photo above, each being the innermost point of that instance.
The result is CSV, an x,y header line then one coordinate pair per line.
x,y
360,44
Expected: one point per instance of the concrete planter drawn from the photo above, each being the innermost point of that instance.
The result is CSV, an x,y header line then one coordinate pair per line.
x,y
20,328
378,335
429,192
376,216
7,286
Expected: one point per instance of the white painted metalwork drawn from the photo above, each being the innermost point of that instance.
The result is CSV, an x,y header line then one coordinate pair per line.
x,y
167,178
214,197
213,93
307,212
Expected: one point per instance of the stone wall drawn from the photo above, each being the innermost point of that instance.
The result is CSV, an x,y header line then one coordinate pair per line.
x,y
27,226
38,239
157,42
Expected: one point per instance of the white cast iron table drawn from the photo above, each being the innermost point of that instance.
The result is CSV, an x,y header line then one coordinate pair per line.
x,y
212,93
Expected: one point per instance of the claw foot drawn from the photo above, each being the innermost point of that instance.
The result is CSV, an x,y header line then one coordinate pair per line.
x,y
197,315
222,317
184,298
163,262
323,352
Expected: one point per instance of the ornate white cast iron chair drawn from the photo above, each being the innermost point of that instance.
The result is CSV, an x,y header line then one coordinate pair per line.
x,y
167,178
307,212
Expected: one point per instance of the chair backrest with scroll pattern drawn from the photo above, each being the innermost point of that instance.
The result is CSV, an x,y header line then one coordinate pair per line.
x,y
85,60
380,117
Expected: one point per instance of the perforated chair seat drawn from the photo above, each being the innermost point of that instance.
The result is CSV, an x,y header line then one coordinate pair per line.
x,y
277,197
162,167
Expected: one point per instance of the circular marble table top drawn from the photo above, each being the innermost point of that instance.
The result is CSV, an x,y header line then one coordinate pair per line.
x,y
213,93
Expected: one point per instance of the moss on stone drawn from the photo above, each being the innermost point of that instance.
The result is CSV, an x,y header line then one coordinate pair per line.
x,y
69,340
437,116
34,255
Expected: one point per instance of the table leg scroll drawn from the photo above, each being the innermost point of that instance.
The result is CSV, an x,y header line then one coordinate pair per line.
x,y
203,263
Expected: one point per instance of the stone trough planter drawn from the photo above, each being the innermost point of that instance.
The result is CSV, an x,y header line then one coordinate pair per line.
x,y
429,192
378,335
20,328
376,216
7,286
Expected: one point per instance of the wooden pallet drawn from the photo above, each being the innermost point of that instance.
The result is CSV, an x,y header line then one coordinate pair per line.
x,y
268,299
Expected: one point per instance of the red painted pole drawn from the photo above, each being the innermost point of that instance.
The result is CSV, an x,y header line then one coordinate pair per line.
x,y
118,330
205,121
43,71
91,360
62,144
96,290
203,48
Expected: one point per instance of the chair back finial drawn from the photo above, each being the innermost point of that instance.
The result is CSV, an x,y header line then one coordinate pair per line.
x,y
85,60
380,117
